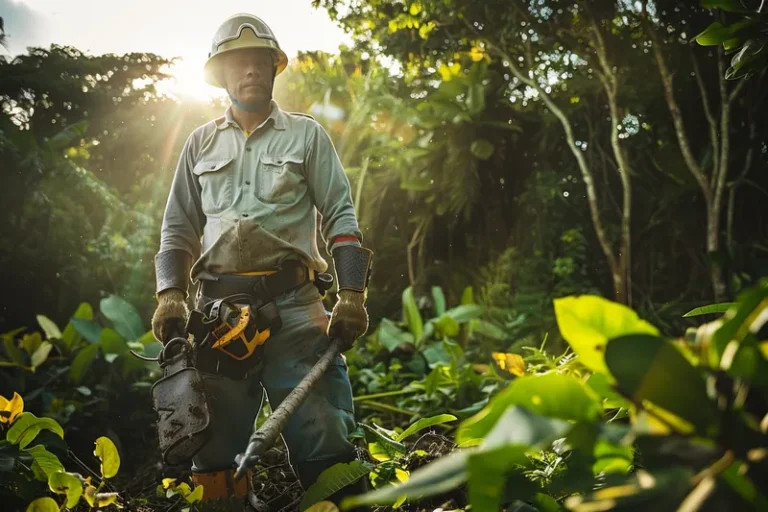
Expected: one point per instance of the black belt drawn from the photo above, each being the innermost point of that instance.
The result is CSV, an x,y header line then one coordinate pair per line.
x,y
291,274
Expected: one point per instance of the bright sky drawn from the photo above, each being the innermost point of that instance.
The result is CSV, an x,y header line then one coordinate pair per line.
x,y
165,27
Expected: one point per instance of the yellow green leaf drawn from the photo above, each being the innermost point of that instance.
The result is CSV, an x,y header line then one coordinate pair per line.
x,y
587,322
10,409
25,429
30,342
196,495
323,506
67,484
183,489
41,354
107,453
43,505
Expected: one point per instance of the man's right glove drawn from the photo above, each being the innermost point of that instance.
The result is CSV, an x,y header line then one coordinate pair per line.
x,y
172,275
170,316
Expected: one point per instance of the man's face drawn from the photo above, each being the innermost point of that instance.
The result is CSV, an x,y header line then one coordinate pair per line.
x,y
248,75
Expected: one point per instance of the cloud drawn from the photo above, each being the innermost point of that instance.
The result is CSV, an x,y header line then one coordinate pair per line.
x,y
24,26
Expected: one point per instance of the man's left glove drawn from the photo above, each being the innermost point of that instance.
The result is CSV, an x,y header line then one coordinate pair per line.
x,y
349,318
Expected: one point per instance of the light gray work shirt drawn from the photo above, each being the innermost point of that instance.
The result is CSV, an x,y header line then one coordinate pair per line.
x,y
246,203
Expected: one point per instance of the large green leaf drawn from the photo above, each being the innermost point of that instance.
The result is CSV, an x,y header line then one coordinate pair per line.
x,y
43,505
40,355
465,312
44,462
411,315
50,329
446,473
107,453
334,479
737,322
425,423
26,427
392,447
552,394
438,300
517,432
67,484
71,336
391,336
83,361
87,328
123,316
587,323
710,309
649,368
489,477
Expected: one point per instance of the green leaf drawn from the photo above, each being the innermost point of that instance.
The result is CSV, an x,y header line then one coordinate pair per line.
x,y
196,495
446,326
26,427
82,362
43,505
710,309
486,328
391,336
651,368
41,354
489,477
123,316
106,451
71,336
438,300
465,312
50,329
425,423
587,323
551,394
737,321
482,149
88,329
516,427
467,296
13,352
391,447
476,98
411,315
725,5
735,476
67,484
334,479
323,506
112,342
444,474
44,461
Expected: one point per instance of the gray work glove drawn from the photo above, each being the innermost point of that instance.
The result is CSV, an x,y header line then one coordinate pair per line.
x,y
170,317
349,318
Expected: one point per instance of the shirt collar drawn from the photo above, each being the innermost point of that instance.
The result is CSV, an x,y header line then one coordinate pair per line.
x,y
276,117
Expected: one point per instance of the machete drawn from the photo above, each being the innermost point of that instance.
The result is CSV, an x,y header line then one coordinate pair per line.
x,y
265,437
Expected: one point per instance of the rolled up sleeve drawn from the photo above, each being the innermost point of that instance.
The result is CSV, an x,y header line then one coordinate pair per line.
x,y
329,188
183,220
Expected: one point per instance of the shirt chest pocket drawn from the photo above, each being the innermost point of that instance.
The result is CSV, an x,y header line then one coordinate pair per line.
x,y
216,180
281,178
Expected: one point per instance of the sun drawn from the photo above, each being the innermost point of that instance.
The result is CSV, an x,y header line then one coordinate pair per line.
x,y
187,81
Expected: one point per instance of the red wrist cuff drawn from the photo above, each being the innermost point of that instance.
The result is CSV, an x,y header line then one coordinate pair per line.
x,y
344,238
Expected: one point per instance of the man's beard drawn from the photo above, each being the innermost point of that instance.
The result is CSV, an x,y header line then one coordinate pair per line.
x,y
259,102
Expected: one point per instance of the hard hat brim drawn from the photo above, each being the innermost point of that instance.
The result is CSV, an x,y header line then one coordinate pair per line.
x,y
243,40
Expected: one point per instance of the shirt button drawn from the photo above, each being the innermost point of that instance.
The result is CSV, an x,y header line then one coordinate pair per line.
x,y
248,149
245,215
247,182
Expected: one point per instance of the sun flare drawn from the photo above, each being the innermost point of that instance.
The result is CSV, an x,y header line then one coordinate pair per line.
x,y
187,81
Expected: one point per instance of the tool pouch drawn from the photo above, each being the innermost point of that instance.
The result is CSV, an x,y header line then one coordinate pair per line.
x,y
182,404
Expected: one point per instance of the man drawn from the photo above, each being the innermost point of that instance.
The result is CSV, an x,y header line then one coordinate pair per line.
x,y
241,218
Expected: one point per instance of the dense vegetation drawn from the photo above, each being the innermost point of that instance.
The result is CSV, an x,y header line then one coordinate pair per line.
x,y
511,164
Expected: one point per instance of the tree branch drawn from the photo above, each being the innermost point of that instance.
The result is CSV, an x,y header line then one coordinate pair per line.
x,y
677,116
707,110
